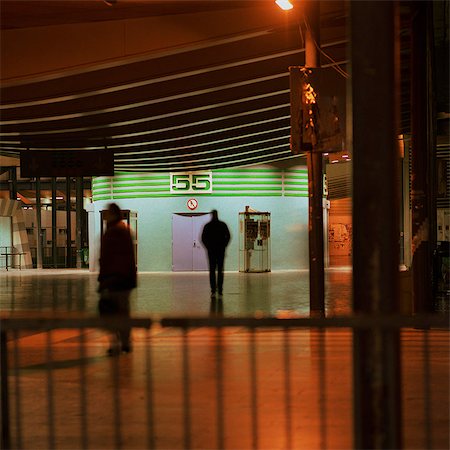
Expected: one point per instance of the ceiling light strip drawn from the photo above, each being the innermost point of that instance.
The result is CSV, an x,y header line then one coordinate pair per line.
x,y
227,156
207,166
137,59
161,130
149,119
202,144
144,103
206,133
166,78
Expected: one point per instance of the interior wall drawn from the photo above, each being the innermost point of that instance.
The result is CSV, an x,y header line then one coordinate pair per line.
x,y
289,228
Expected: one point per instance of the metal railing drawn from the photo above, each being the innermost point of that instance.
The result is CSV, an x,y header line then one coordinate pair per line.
x,y
211,382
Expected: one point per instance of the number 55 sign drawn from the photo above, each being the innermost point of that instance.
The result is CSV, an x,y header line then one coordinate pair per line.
x,y
191,182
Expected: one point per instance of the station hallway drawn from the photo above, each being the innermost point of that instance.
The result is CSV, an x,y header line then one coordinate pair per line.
x,y
202,387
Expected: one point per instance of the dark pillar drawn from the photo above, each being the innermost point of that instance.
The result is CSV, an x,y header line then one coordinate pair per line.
x,y
38,224
68,225
375,60
315,176
54,229
422,167
79,211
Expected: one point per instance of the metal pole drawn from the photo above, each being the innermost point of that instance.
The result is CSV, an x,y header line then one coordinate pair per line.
x,y
39,224
375,60
315,176
54,224
421,167
79,211
68,225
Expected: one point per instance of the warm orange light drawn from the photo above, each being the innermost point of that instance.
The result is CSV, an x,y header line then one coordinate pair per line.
x,y
285,5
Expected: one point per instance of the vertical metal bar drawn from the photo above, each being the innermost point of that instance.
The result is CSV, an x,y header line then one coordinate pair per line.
x,y
116,394
421,158
39,224
287,387
322,390
54,235
219,380
68,224
4,391
83,392
18,391
315,174
151,436
50,387
79,210
377,405
254,388
427,391
186,392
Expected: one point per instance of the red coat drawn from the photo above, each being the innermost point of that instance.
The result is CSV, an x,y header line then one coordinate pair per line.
x,y
117,260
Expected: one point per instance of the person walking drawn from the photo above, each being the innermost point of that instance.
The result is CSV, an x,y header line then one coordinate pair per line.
x,y
118,276
215,238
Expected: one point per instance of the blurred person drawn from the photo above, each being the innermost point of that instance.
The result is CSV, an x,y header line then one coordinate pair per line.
x,y
117,275
215,238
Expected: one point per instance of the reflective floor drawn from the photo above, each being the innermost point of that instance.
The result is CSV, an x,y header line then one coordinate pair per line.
x,y
187,293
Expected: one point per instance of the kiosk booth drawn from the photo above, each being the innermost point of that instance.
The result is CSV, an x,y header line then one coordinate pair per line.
x,y
254,241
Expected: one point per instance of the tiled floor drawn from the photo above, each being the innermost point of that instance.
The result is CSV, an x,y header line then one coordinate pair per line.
x,y
187,293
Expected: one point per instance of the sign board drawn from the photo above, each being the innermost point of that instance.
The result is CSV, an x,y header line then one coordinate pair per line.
x,y
66,163
192,204
191,182
318,109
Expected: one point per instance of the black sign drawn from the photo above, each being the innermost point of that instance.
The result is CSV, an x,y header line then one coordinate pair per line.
x,y
66,163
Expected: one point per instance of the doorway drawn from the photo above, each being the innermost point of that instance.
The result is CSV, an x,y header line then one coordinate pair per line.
x,y
188,253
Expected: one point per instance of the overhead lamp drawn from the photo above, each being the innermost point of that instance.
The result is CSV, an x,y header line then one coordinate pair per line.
x,y
285,5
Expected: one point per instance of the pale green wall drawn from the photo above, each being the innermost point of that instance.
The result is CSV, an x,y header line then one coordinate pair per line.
x,y
289,224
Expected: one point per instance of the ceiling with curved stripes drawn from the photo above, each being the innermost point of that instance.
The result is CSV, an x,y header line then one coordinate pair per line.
x,y
220,103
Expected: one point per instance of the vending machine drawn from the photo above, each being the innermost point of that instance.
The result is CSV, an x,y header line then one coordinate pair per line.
x,y
254,241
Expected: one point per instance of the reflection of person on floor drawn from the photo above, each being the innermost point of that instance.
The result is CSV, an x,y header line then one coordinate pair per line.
x,y
117,275
216,307
215,237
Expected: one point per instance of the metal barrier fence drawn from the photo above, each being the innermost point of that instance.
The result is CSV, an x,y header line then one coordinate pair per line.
x,y
210,383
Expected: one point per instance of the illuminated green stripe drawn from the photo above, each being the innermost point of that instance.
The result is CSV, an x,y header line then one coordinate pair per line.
x,y
247,183
251,177
290,194
137,186
144,178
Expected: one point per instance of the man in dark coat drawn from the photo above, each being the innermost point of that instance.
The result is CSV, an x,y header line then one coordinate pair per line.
x,y
215,238
117,274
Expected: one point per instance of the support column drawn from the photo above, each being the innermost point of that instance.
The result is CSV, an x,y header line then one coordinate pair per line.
x,y
68,225
315,174
375,68
422,167
54,226
79,211
39,224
